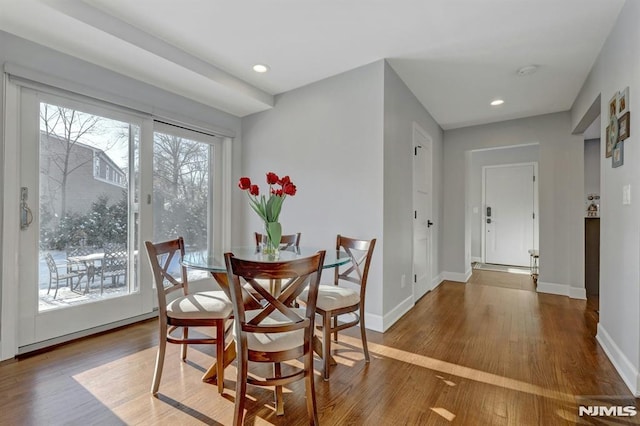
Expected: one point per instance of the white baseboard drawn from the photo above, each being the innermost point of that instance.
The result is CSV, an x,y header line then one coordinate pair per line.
x,y
476,259
457,276
578,293
625,368
382,323
562,290
436,281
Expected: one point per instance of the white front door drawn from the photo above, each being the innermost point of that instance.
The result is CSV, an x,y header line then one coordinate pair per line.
x,y
422,223
509,213
78,248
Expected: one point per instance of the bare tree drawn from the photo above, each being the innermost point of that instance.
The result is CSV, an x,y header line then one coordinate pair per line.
x,y
181,182
64,129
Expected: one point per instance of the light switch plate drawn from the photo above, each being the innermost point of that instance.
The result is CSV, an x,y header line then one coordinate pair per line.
x,y
626,195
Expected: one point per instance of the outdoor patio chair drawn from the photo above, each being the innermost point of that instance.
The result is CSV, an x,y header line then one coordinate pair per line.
x,y
56,276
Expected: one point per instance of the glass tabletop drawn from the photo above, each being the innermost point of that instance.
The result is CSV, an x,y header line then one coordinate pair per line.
x,y
215,262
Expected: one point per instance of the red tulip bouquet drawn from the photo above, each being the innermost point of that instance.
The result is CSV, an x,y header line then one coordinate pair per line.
x,y
268,208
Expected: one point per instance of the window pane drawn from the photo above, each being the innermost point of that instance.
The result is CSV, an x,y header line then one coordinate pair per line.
x,y
84,206
181,185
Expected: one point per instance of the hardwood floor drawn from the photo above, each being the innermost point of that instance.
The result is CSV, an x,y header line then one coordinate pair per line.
x,y
492,352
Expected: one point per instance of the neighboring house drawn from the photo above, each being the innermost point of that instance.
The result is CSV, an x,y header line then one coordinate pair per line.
x,y
90,173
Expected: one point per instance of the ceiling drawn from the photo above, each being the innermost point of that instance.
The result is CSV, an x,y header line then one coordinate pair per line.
x,y
455,55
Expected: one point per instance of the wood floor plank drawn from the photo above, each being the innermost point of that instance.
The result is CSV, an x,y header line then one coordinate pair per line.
x,y
489,352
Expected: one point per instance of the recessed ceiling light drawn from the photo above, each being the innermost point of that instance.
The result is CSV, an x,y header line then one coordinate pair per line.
x,y
260,68
497,102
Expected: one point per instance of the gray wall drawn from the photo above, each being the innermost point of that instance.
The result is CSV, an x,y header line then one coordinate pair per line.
x,y
346,142
327,137
401,110
560,188
617,67
591,167
480,159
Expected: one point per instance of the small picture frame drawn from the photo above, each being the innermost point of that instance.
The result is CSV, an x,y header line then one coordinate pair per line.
x,y
608,145
617,159
613,106
623,102
624,126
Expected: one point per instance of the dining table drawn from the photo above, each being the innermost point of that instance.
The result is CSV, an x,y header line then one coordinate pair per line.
x,y
215,265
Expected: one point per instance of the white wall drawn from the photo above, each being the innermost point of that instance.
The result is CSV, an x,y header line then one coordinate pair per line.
x,y
480,159
401,110
617,67
560,188
327,137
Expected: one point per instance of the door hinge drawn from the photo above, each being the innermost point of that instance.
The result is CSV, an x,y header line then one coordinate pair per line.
x,y
415,214
534,215
415,150
415,278
534,178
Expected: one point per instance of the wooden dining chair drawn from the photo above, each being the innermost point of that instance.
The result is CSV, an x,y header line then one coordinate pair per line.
x,y
184,309
288,242
335,300
277,332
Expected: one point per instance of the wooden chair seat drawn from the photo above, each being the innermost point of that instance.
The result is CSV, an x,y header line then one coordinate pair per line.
x,y
179,309
331,297
336,301
205,304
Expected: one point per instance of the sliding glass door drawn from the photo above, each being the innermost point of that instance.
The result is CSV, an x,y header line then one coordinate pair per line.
x,y
79,246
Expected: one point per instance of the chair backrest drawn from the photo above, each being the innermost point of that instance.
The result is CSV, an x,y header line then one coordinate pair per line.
x,y
360,252
80,251
51,264
114,260
243,276
289,242
169,274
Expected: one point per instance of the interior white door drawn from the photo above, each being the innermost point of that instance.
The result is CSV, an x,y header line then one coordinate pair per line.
x,y
422,223
509,213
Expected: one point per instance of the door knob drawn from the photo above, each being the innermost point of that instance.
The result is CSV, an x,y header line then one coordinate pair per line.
x,y
488,220
429,224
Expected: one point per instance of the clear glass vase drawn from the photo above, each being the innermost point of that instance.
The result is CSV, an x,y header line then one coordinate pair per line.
x,y
271,238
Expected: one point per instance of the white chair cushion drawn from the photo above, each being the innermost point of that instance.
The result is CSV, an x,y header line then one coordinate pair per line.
x,y
273,342
204,304
331,297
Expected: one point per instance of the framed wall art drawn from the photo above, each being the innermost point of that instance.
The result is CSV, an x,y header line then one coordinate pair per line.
x,y
617,159
624,126
623,102
613,106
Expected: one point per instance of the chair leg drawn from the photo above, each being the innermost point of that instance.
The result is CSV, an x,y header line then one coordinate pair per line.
x,y
183,350
277,373
56,292
312,411
363,334
157,374
241,386
220,343
335,325
326,343
50,280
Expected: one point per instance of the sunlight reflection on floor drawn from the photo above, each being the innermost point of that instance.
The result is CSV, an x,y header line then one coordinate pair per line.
x,y
461,371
